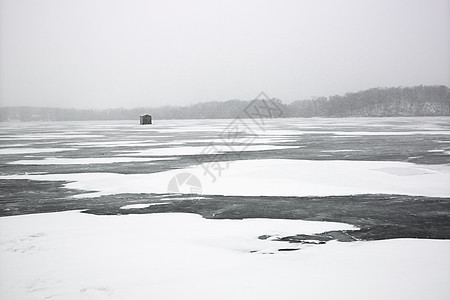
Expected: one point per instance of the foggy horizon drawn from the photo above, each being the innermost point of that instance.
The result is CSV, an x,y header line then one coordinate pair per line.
x,y
111,54
312,98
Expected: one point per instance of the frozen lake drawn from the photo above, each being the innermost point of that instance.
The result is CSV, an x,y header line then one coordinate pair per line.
x,y
333,201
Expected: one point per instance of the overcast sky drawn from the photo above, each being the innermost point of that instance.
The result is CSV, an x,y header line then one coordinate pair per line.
x,y
129,53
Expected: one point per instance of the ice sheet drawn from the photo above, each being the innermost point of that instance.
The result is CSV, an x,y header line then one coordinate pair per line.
x,y
341,150
196,150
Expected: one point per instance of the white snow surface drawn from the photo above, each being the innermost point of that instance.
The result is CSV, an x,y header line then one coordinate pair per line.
x,y
142,205
66,135
13,145
357,133
274,177
6,151
69,255
83,161
145,143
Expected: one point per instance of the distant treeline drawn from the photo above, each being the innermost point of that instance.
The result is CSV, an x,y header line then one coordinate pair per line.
x,y
376,102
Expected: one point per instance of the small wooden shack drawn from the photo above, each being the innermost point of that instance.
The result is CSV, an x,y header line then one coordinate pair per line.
x,y
146,119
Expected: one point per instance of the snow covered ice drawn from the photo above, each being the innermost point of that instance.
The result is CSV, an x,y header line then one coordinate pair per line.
x,y
69,255
145,243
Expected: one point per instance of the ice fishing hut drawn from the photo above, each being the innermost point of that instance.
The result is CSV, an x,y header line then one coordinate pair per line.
x,y
146,119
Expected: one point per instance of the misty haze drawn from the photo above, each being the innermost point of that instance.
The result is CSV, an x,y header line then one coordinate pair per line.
x,y
224,150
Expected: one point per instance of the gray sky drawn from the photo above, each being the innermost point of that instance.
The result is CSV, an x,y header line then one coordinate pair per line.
x,y
129,53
